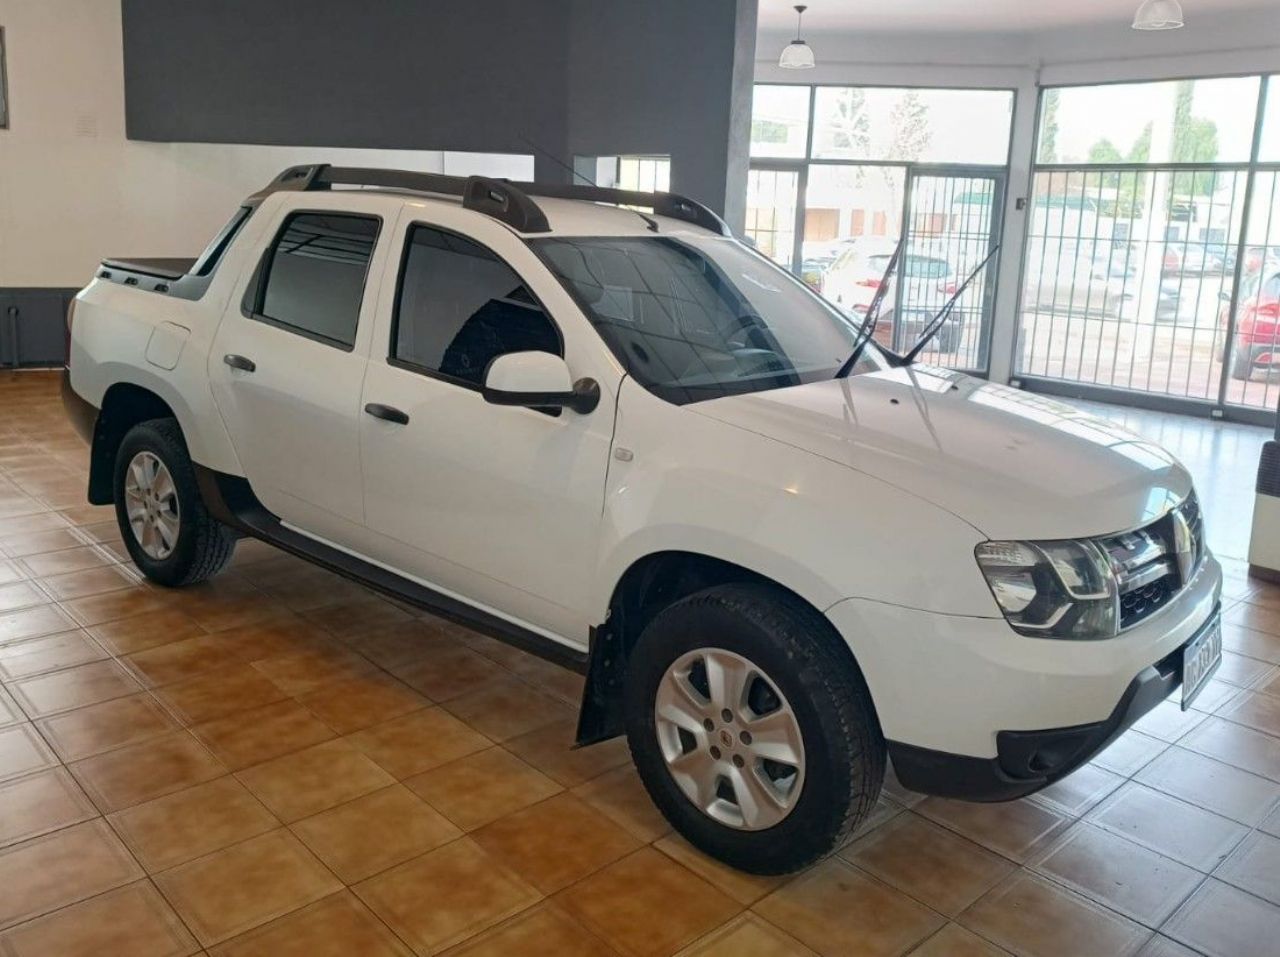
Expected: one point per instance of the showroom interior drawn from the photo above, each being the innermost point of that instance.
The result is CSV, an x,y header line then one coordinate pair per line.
x,y
1074,212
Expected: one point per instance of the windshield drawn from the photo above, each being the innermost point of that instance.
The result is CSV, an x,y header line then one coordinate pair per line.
x,y
694,318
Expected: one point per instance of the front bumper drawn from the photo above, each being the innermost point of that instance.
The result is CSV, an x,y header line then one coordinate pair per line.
x,y
972,709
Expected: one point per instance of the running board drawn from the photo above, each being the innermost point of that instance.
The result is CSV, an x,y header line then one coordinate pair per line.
x,y
232,502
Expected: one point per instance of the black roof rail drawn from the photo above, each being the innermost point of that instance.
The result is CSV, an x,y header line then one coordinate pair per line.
x,y
502,199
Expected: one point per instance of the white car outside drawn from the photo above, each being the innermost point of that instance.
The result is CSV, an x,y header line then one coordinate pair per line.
x,y
617,439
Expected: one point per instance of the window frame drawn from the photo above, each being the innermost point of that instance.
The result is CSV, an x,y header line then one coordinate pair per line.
x,y
255,292
417,367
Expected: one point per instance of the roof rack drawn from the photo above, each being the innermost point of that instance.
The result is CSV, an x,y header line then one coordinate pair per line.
x,y
502,199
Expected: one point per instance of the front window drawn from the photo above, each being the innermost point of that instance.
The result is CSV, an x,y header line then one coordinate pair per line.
x,y
696,318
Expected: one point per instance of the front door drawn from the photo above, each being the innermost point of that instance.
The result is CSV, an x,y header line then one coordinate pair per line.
x,y
498,505
287,365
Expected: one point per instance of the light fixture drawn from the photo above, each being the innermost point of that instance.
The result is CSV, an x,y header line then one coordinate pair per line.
x,y
1158,15
797,55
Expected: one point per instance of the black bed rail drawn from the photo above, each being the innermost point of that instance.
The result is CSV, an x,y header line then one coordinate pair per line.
x,y
509,202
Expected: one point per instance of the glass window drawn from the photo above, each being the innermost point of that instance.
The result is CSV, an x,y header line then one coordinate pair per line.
x,y
1269,148
459,307
647,174
696,318
315,275
771,212
1180,121
912,125
780,121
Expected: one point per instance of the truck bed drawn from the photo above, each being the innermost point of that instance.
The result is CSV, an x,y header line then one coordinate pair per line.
x,y
157,267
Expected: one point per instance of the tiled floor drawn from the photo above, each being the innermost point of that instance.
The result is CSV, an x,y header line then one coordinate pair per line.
x,y
280,763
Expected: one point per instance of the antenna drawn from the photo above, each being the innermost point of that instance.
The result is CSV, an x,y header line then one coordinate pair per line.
x,y
555,159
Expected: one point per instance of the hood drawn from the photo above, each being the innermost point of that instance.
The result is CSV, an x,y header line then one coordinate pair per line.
x,y
1012,464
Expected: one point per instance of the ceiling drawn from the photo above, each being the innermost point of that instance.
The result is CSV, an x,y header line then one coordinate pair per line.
x,y
1004,16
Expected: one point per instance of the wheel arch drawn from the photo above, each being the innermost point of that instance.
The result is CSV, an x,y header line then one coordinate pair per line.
x,y
650,583
124,405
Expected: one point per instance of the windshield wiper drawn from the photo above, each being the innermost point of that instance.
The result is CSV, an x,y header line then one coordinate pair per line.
x,y
868,327
935,324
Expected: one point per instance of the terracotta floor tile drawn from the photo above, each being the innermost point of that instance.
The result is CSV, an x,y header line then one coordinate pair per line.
x,y
620,796
469,891
928,862
370,834
310,781
1242,639
216,694
181,660
191,823
482,787
370,699
61,868
1254,866
40,803
1221,921
34,656
1168,722
1016,829
21,594
23,751
277,637
747,936
1241,670
1252,709
351,618
555,843
1237,745
1080,791
243,886
401,643
1212,696
745,888
306,671
96,609
418,742
449,670
246,738
1212,785
337,926
88,581
226,603
883,811
66,560
73,688
127,636
106,726
647,904
1192,835
140,772
550,750
133,920
545,929
507,707
33,623
312,588
39,522
1034,918
954,941
1118,874
1130,753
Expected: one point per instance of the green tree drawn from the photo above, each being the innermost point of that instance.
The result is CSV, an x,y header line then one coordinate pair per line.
x,y
1195,140
849,123
1049,127
910,123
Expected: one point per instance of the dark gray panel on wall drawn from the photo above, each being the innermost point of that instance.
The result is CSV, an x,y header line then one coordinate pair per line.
x,y
400,74
33,326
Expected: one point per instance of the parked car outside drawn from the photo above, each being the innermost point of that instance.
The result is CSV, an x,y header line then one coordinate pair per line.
x,y
1256,344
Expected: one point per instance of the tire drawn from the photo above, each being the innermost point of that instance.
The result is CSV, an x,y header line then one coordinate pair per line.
x,y
1242,365
798,656
202,546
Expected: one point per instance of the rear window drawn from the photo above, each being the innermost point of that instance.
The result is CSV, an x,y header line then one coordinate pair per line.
x,y
314,276
914,267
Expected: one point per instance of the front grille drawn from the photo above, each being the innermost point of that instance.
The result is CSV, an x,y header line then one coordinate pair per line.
x,y
1153,564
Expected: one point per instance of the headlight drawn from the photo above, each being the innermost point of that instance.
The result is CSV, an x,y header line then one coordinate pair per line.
x,y
1060,589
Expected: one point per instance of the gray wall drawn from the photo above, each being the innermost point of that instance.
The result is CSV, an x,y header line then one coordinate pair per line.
x,y
572,76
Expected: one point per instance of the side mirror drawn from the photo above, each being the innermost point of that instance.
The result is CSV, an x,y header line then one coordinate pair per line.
x,y
537,380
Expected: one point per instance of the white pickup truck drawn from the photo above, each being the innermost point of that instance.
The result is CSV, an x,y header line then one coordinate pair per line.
x,y
593,424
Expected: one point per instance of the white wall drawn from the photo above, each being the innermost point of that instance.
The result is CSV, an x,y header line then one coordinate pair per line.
x,y
1219,44
73,189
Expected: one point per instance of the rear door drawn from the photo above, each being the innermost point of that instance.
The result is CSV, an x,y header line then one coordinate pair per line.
x,y
288,363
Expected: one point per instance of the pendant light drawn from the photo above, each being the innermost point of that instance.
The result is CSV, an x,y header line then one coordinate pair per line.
x,y
797,55
1158,15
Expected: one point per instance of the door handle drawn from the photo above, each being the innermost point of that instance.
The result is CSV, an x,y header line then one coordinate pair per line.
x,y
387,413
239,362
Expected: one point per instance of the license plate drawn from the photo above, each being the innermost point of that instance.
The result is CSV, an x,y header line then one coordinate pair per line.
x,y
1200,659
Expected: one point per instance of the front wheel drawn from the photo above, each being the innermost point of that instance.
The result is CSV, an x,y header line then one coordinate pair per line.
x,y
752,728
169,533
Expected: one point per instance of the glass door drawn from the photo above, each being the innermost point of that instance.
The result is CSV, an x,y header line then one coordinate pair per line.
x,y
952,218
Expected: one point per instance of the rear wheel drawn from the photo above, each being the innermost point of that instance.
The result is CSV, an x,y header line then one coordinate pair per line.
x,y
1242,363
169,533
752,728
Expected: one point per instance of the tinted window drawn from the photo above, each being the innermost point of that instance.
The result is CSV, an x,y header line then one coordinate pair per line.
x,y
460,306
315,275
